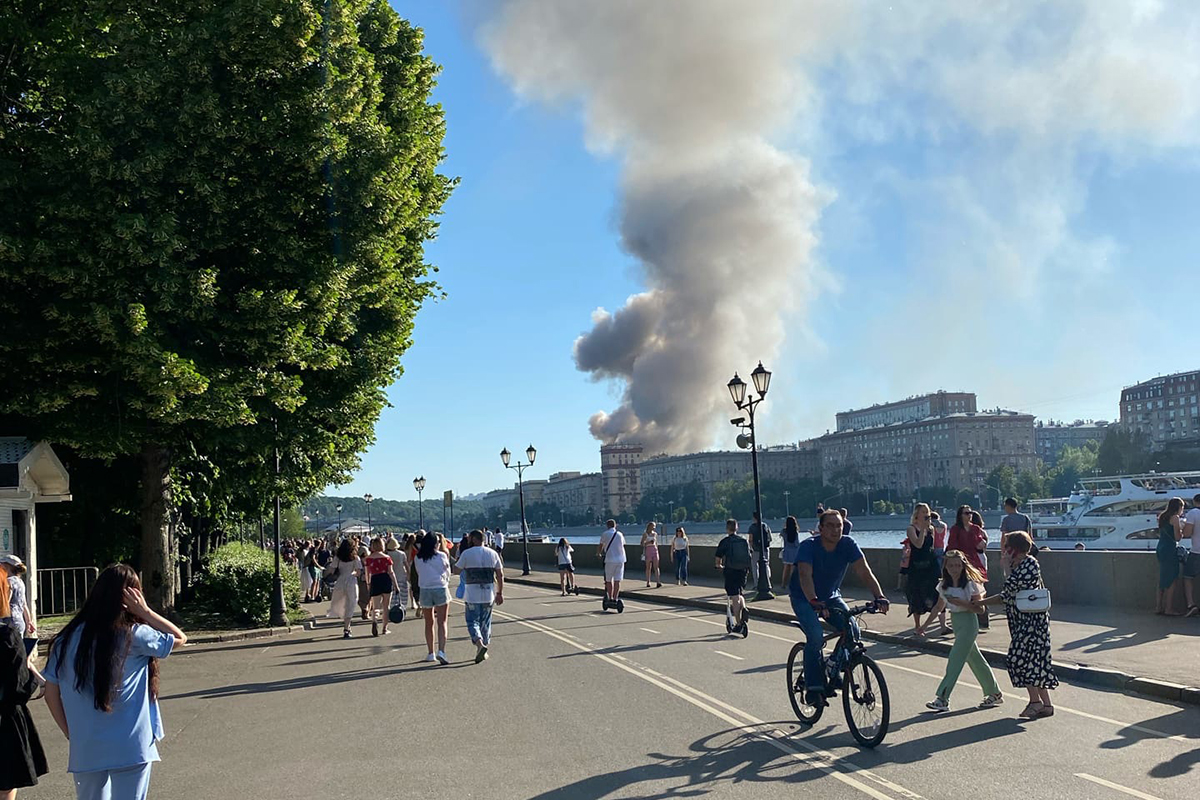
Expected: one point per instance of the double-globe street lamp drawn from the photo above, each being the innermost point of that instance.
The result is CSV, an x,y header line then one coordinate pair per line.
x,y
368,498
339,510
419,485
737,390
505,456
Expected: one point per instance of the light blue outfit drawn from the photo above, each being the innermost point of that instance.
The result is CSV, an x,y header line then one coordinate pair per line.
x,y
111,752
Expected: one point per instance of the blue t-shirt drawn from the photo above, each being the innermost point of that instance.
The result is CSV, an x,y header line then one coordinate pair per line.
x,y
829,568
125,736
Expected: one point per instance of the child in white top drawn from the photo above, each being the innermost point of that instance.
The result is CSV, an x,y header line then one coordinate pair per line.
x,y
960,589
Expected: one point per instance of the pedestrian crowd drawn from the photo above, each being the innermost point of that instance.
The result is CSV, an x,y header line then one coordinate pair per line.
x,y
101,676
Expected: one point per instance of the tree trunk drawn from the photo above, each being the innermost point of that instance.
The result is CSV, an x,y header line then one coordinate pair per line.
x,y
158,573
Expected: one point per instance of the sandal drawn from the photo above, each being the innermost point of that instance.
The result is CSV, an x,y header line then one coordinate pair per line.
x,y
1193,611
1033,710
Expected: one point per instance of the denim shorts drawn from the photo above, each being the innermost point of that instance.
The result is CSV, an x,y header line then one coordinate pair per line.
x,y
437,596
1191,567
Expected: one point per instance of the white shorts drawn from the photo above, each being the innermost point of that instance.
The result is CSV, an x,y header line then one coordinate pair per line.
x,y
614,571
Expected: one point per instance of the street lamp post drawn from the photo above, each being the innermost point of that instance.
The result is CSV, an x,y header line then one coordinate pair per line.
x,y
505,456
671,503
787,504
419,485
737,391
368,498
562,518
278,612
339,510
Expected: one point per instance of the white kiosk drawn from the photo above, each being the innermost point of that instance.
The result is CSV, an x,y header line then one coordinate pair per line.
x,y
30,473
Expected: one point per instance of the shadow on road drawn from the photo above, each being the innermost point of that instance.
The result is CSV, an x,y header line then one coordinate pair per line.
x,y
711,763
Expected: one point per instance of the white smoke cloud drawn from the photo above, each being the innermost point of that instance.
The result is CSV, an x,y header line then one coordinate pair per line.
x,y
715,107
721,221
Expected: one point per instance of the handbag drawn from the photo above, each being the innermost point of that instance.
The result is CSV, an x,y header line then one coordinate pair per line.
x,y
1034,601
331,579
1182,553
396,612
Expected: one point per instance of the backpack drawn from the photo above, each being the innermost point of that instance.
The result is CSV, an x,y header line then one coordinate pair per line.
x,y
737,553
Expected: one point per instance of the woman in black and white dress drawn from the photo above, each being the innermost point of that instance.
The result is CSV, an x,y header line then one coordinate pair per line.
x,y
1030,666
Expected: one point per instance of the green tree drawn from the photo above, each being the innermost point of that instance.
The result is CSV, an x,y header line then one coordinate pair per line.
x,y
211,229
1002,479
1030,484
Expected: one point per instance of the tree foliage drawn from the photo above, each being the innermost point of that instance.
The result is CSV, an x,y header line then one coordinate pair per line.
x,y
211,227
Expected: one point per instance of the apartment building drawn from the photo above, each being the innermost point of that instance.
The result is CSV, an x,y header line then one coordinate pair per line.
x,y
1165,409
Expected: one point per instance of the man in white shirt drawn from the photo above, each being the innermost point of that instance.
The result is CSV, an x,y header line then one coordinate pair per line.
x,y
482,573
1191,567
498,541
612,550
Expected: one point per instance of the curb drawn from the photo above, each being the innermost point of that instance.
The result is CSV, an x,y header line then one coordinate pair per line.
x,y
1150,688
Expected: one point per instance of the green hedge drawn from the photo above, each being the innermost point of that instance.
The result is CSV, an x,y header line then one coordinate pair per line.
x,y
236,584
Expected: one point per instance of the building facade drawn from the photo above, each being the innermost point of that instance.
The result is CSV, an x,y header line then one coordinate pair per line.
x,y
498,499
708,469
620,470
1165,409
937,404
1049,438
954,450
783,462
576,493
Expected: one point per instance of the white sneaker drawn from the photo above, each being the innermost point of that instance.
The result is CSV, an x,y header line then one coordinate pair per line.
x,y
441,657
992,700
431,658
938,704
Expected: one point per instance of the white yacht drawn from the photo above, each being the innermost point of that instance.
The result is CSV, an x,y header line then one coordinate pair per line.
x,y
1111,513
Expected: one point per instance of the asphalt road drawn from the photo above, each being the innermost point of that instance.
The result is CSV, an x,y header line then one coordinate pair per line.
x,y
654,703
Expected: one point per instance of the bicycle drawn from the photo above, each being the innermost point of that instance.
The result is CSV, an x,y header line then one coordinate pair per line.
x,y
864,691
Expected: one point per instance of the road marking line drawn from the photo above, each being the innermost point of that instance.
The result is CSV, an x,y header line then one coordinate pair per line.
x,y
822,760
682,613
648,630
728,655
1115,786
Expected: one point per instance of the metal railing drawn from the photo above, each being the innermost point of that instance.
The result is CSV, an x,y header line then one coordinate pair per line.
x,y
62,590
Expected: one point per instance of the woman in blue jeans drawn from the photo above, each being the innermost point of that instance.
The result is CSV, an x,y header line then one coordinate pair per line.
x,y
102,687
680,552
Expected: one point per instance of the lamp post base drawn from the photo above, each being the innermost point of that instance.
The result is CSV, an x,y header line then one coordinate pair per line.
x,y
278,612
525,563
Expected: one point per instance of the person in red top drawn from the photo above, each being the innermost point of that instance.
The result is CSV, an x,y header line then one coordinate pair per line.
x,y
971,540
379,577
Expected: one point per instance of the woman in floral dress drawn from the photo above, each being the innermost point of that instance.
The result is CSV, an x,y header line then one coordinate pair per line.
x,y
1029,661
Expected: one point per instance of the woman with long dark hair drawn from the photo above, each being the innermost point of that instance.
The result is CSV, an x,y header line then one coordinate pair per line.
x,y
1170,532
102,674
344,569
433,570
24,760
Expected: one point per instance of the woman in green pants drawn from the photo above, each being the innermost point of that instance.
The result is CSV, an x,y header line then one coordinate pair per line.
x,y
960,589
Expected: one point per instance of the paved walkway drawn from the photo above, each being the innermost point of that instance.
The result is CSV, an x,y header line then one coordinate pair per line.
x,y
655,703
1094,637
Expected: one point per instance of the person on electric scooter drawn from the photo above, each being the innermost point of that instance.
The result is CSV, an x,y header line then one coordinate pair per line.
x,y
733,557
816,587
612,551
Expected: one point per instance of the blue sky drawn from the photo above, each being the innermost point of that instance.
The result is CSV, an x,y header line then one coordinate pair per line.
x,y
528,249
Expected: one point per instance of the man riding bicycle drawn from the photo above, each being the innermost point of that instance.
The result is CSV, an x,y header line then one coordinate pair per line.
x,y
815,588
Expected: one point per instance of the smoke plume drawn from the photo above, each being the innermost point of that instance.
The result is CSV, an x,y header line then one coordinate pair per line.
x,y
1003,108
720,220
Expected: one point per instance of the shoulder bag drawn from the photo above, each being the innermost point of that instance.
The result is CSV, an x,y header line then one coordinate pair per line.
x,y
1034,601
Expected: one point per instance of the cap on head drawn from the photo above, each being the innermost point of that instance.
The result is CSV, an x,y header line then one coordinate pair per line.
x,y
12,559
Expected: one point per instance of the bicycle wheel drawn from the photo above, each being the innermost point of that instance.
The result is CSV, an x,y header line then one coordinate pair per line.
x,y
865,701
806,713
